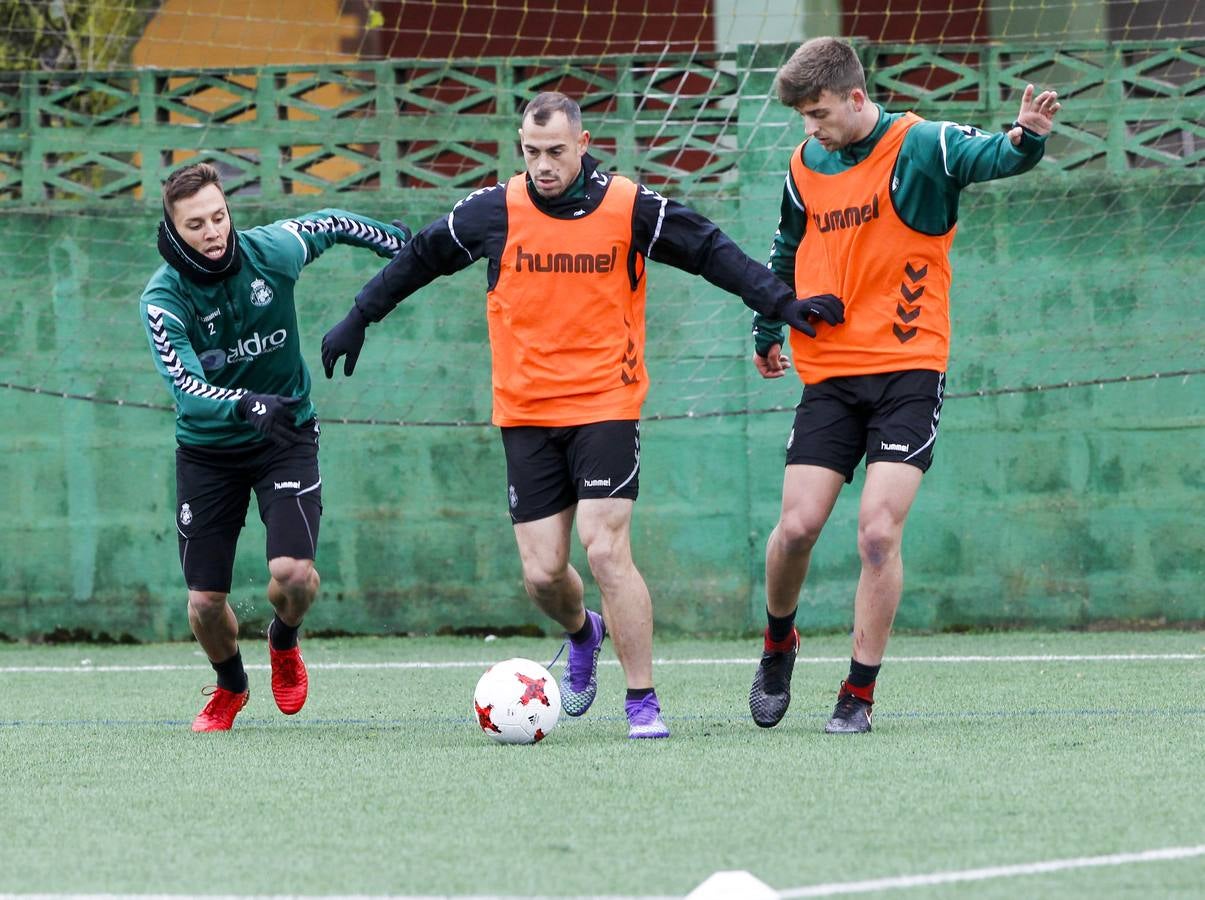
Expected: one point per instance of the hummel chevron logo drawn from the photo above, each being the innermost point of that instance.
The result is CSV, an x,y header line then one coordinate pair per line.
x,y
259,409
629,360
910,295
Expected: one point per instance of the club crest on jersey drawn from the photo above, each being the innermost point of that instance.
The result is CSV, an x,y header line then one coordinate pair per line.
x,y
261,294
185,514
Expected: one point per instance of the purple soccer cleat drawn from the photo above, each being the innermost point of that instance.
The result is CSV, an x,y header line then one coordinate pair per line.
x,y
644,718
579,681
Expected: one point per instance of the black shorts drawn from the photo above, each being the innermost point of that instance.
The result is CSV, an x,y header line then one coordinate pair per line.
x,y
550,469
890,417
213,490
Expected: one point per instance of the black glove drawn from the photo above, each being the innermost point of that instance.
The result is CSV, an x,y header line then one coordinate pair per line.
x,y
800,314
345,339
272,416
403,228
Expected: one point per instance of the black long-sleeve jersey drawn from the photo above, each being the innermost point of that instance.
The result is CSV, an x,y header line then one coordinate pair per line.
x,y
663,230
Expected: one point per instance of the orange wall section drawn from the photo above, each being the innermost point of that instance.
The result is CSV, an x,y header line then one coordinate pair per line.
x,y
219,33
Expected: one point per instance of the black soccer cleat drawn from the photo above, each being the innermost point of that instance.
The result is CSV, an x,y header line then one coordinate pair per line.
x,y
771,692
851,715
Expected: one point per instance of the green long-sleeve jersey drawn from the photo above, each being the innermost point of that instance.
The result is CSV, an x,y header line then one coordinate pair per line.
x,y
214,343
936,161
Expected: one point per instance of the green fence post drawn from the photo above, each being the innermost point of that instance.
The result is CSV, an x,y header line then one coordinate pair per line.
x,y
31,160
267,114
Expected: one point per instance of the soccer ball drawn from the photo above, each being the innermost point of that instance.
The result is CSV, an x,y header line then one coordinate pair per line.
x,y
517,702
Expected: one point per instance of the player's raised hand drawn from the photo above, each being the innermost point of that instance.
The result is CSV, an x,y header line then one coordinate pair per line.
x,y
1036,115
773,364
345,339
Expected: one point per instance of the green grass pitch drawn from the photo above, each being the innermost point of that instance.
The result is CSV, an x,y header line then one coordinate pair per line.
x,y
383,784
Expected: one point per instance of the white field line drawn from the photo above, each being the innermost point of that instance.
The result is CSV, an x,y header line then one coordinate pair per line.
x,y
818,890
319,897
992,872
322,897
88,667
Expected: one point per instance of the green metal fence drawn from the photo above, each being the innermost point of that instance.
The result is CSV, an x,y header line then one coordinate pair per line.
x,y
1064,506
109,137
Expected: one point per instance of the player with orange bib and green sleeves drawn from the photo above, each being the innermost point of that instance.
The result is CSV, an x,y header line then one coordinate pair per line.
x,y
566,245
868,215
221,321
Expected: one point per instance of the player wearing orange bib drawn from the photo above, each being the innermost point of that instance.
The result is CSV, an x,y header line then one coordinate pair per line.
x,y
566,245
869,213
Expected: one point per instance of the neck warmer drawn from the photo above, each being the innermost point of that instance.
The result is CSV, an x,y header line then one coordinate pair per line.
x,y
197,267
572,196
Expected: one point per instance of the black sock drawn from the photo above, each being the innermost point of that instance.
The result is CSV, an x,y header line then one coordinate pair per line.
x,y
638,693
231,674
780,626
861,675
282,636
583,634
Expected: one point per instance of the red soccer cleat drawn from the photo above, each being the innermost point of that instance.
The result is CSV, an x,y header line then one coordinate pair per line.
x,y
290,682
219,712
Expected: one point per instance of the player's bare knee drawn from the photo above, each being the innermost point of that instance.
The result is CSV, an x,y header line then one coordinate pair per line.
x,y
207,605
601,556
542,580
607,558
877,545
297,577
797,533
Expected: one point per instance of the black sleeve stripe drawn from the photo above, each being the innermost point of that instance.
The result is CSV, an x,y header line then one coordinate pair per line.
x,y
181,378
369,234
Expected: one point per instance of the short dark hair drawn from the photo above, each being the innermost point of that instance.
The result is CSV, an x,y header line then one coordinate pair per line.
x,y
543,106
821,64
187,180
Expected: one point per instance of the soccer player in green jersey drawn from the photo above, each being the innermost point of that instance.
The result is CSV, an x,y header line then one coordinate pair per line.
x,y
222,325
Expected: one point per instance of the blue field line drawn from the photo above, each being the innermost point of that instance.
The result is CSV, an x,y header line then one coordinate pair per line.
x,y
449,722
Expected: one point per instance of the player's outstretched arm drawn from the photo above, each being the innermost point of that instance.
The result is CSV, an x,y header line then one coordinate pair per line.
x,y
475,227
1036,115
318,231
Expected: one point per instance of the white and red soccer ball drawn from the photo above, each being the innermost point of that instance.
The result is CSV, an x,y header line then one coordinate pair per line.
x,y
517,702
